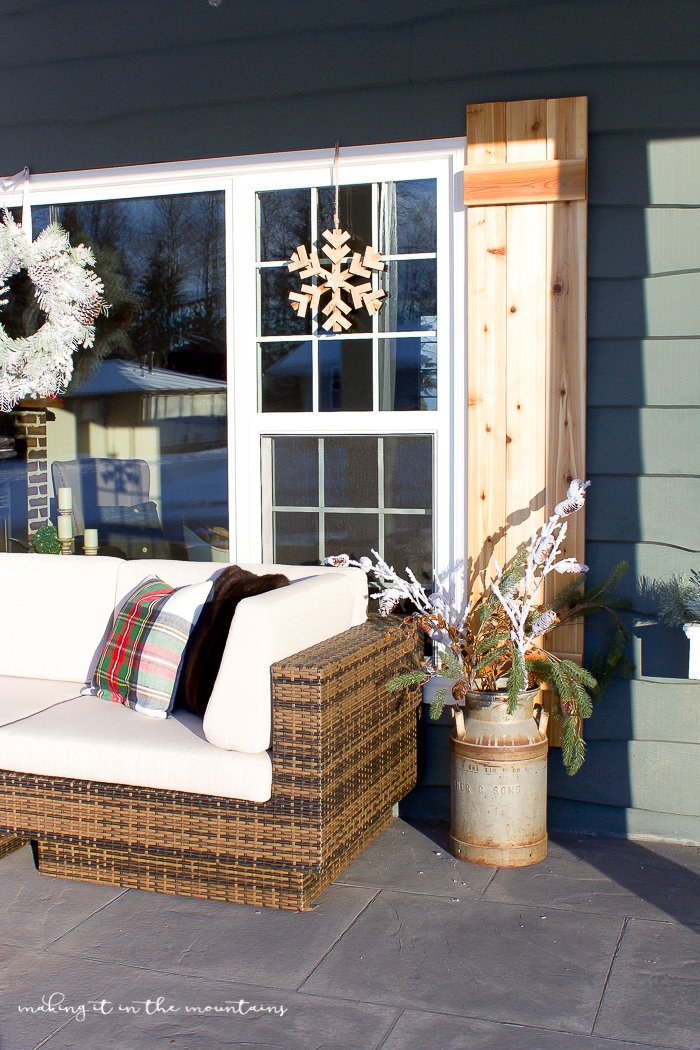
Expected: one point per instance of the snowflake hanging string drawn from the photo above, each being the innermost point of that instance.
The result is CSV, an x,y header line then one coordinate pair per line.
x,y
68,292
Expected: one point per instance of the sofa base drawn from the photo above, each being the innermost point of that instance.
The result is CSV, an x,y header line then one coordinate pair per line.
x,y
10,843
143,869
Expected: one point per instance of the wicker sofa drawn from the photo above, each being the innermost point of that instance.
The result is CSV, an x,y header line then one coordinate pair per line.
x,y
107,795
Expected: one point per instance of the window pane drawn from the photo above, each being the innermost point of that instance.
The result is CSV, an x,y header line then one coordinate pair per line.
x,y
285,377
277,315
140,433
408,374
353,534
355,211
408,472
345,375
411,304
296,539
399,526
416,226
350,471
295,471
409,542
284,222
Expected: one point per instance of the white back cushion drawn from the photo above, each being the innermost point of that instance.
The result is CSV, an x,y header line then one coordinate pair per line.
x,y
181,573
56,614
267,628
318,603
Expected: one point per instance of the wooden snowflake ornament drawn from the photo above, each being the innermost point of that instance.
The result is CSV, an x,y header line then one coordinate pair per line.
x,y
337,280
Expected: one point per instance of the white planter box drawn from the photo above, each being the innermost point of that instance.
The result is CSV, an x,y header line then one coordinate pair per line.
x,y
435,685
692,631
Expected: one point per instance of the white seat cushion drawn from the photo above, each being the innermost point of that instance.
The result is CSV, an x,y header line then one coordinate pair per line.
x,y
58,616
88,739
22,697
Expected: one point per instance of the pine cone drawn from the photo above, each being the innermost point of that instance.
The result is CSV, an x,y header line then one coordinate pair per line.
x,y
544,623
543,550
41,276
87,311
459,690
388,602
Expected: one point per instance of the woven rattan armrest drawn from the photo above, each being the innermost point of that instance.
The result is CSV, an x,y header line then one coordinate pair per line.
x,y
343,745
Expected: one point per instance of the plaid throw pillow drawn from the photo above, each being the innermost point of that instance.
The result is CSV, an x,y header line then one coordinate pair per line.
x,y
140,663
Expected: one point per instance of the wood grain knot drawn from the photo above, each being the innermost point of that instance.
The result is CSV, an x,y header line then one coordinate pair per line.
x,y
558,288
514,309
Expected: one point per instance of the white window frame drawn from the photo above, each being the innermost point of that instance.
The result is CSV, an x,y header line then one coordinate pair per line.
x,y
240,178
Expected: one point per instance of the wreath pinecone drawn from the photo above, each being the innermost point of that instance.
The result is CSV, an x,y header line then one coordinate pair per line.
x,y
41,275
87,311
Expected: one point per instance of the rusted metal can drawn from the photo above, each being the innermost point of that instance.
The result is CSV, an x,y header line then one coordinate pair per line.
x,y
499,783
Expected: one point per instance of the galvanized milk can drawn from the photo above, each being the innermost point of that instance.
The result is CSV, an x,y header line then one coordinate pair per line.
x,y
499,783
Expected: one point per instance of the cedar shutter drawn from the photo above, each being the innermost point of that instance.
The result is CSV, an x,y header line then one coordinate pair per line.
x,y
525,189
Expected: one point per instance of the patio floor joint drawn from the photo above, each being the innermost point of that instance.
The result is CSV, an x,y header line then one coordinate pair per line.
x,y
610,968
337,939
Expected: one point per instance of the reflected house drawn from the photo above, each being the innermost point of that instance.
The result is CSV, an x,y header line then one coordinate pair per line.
x,y
174,422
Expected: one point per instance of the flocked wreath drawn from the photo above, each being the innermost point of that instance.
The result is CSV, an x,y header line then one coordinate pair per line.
x,y
69,293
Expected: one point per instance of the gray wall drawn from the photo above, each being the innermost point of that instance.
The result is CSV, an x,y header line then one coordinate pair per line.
x,y
119,82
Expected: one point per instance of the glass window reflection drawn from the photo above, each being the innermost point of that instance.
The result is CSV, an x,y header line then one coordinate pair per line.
x,y
140,434
345,375
286,379
284,222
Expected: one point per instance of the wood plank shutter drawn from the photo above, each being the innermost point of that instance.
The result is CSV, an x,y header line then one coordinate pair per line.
x,y
525,188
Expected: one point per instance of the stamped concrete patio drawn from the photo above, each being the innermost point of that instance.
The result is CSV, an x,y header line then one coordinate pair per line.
x,y
596,948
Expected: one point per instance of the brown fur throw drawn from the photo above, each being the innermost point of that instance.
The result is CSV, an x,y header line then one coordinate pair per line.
x,y
205,648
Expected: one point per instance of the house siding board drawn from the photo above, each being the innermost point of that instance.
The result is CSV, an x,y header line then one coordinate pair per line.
x,y
177,80
637,243
216,70
642,509
642,372
530,35
661,776
659,306
644,440
587,818
644,719
650,560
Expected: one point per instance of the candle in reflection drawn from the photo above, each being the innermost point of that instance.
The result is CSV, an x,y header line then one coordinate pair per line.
x,y
65,527
65,499
90,541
